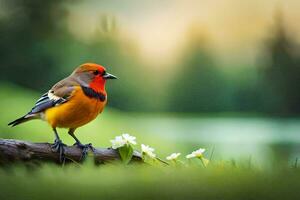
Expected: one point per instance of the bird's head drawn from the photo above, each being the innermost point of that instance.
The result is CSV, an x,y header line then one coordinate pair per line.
x,y
92,75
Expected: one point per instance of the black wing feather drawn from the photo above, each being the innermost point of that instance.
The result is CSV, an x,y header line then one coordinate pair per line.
x,y
42,98
45,102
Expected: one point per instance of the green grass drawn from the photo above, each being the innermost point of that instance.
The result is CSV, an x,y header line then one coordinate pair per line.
x,y
145,182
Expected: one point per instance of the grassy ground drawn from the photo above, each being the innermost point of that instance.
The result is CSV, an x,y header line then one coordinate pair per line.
x,y
142,182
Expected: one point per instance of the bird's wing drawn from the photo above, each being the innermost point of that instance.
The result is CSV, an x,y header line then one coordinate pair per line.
x,y
59,94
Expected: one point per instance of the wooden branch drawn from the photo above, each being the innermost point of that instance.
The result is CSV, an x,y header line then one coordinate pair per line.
x,y
22,151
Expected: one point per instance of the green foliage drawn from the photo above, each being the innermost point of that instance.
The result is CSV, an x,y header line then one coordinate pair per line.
x,y
25,44
126,153
281,75
198,87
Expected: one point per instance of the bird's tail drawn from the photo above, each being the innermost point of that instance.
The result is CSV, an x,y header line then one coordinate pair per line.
x,y
21,120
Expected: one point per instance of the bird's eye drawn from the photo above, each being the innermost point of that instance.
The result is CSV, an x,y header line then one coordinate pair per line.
x,y
96,72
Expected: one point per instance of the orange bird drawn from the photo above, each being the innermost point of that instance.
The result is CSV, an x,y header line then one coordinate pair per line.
x,y
72,103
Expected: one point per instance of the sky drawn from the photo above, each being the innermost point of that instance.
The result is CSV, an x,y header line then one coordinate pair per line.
x,y
161,28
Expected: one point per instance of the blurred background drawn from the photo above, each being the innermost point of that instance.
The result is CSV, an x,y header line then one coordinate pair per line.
x,y
223,75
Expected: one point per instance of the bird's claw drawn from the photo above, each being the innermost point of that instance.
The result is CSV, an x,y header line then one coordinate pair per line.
x,y
59,147
85,149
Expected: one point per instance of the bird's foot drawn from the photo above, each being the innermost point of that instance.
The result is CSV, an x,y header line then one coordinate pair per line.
x,y
85,149
59,147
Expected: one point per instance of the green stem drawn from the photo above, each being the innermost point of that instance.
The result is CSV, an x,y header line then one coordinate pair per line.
x,y
202,162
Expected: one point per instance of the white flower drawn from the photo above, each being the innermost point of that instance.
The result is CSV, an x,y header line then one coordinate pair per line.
x,y
173,156
190,155
129,139
118,142
196,154
148,150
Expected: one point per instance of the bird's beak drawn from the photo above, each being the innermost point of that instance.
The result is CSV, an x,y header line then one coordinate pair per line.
x,y
109,76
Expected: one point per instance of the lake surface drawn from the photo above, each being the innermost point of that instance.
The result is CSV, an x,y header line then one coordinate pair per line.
x,y
261,138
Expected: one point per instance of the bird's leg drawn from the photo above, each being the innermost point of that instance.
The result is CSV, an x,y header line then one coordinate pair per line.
x,y
58,146
84,147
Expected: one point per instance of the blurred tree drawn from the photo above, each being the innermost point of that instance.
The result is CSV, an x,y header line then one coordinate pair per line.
x,y
281,91
198,85
26,30
246,91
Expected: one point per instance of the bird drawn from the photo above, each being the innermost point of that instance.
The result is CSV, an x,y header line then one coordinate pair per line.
x,y
71,103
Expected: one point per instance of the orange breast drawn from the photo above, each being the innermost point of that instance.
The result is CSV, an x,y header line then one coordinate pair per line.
x,y
76,112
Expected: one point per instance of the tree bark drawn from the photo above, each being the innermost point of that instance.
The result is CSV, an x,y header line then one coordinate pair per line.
x,y
12,151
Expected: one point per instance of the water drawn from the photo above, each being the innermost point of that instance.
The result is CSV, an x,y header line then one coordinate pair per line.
x,y
261,138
